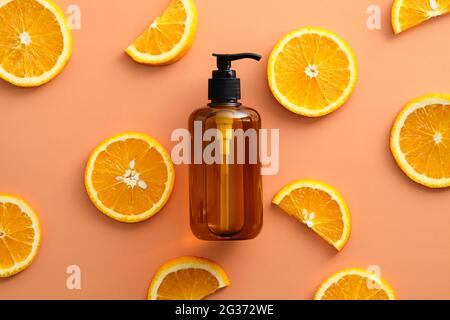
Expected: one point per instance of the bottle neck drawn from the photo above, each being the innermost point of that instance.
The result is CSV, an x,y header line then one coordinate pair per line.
x,y
224,103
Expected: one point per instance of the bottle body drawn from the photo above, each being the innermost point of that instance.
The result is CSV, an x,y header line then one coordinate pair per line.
x,y
224,176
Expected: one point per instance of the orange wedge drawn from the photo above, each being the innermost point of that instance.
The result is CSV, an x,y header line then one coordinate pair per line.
x,y
355,284
187,278
320,207
20,235
129,177
169,36
409,13
35,41
312,71
420,140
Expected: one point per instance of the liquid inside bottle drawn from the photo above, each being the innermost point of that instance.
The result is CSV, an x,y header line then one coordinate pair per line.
x,y
226,187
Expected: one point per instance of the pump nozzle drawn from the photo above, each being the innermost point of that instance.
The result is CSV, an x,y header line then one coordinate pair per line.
x,y
224,60
224,85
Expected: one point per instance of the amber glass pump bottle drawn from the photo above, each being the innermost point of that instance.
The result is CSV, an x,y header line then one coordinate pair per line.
x,y
225,180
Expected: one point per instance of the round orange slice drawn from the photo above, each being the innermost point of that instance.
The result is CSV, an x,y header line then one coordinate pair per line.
x,y
187,278
318,206
355,284
410,13
35,41
169,36
20,235
129,177
420,140
312,71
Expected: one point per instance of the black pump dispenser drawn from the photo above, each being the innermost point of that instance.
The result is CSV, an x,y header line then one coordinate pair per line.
x,y
224,85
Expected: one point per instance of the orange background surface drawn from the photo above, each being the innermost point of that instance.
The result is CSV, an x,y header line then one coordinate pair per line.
x,y
47,134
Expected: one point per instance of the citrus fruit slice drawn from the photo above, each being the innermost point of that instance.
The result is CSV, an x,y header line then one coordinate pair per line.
x,y
35,41
312,71
355,284
20,235
169,36
187,278
420,140
318,206
129,177
409,13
